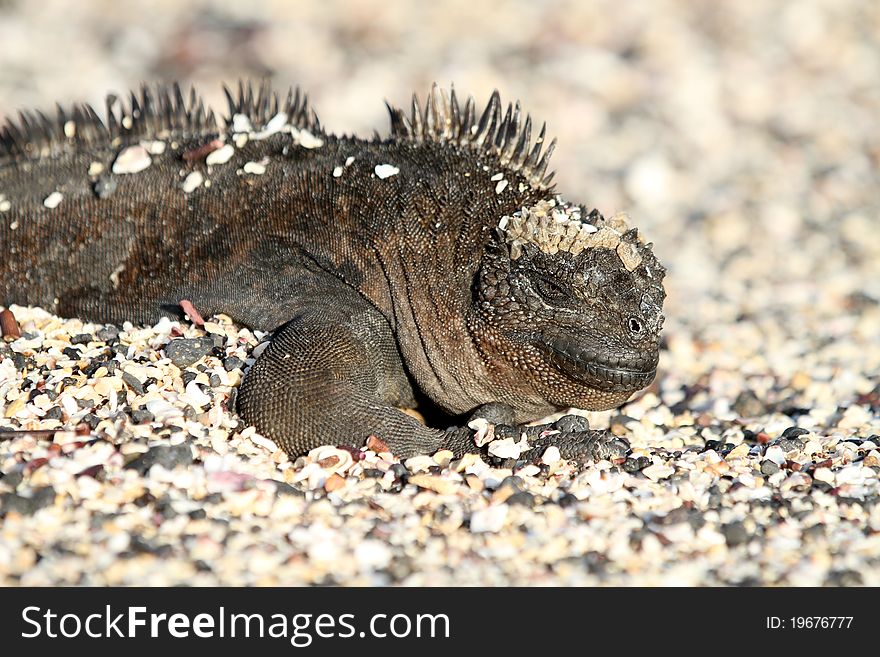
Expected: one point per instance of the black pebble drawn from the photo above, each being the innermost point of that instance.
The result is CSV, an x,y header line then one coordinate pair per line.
x,y
71,353
844,578
27,506
283,488
768,467
144,500
735,533
93,366
133,382
166,455
141,416
91,419
165,508
566,499
233,363
82,338
514,482
108,333
12,479
789,444
793,432
183,352
747,404
813,532
523,498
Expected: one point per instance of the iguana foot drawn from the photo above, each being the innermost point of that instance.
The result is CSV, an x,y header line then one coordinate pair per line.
x,y
571,434
581,445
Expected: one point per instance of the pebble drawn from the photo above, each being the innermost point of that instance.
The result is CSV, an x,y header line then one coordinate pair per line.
x,y
658,471
769,467
735,533
53,200
507,448
551,455
490,519
436,484
39,499
132,159
255,168
185,352
220,156
386,171
168,456
193,181
775,454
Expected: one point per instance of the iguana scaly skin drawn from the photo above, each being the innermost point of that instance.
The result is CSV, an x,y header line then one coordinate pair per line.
x,y
436,262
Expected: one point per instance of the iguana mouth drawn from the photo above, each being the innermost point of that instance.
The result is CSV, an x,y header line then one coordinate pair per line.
x,y
611,373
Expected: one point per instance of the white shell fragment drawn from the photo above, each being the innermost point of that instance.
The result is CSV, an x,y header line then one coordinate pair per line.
x,y
508,448
132,160
490,519
275,125
551,455
193,181
114,275
307,140
221,156
484,431
386,171
241,123
5,205
337,171
96,168
255,168
154,147
53,200
501,186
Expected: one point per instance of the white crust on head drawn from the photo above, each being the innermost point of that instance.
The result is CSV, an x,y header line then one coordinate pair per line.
x,y
555,225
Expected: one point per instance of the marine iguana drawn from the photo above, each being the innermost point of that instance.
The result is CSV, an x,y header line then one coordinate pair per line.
x,y
436,261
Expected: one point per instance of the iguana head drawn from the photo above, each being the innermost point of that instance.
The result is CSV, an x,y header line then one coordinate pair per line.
x,y
573,301
566,304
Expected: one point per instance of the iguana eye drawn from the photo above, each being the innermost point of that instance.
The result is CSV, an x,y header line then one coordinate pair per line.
x,y
549,289
635,325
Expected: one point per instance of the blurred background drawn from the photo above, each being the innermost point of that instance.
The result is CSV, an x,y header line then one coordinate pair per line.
x,y
741,137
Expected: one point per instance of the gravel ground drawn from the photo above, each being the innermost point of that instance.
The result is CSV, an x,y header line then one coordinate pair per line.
x,y
742,138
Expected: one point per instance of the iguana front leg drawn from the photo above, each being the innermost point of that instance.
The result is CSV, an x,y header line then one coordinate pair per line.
x,y
332,375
